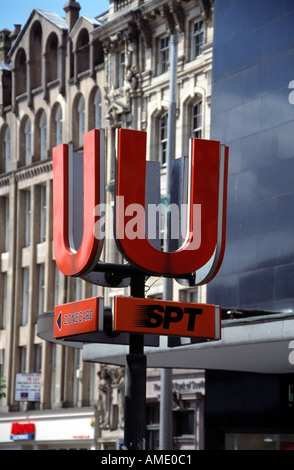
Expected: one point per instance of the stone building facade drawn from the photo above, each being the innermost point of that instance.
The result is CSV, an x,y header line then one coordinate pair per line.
x,y
59,78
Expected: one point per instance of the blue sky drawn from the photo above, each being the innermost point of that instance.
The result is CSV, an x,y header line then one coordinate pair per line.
x,y
18,11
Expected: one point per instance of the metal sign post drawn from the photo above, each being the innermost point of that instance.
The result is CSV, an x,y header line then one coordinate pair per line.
x,y
195,262
135,381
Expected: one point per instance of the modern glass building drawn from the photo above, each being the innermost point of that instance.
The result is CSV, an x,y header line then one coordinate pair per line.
x,y
252,112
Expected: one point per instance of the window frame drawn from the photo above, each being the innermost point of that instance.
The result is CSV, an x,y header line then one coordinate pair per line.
x,y
7,148
25,296
197,38
121,65
197,131
41,299
98,109
27,131
162,137
43,136
58,125
28,218
43,213
163,44
81,120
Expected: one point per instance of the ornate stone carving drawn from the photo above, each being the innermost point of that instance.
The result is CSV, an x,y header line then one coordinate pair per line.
x,y
111,397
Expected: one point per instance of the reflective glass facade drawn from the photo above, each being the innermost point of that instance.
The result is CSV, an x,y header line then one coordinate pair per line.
x,y
253,113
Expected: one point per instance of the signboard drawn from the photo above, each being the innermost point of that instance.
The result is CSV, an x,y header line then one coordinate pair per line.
x,y
84,316
28,387
202,229
166,317
22,431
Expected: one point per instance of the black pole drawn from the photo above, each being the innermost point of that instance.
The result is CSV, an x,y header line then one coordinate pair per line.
x,y
135,381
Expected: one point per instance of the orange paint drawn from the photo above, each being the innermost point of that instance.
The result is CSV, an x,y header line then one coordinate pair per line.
x,y
85,316
160,317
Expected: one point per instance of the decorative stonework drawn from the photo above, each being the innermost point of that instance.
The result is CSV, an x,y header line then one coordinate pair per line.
x,y
32,172
111,397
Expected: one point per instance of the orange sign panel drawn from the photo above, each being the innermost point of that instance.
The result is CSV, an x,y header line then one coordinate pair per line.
x,y
85,316
160,317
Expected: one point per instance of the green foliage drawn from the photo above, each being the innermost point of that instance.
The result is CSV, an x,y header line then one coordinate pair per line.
x,y
2,387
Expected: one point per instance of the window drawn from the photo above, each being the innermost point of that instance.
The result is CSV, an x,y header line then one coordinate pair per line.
x,y
6,241
152,426
43,214
79,288
7,148
35,55
97,109
197,120
197,38
189,295
23,359
121,69
82,51
52,58
163,55
27,141
28,219
41,289
38,359
56,285
183,423
20,72
163,121
43,136
58,126
25,296
81,120
4,301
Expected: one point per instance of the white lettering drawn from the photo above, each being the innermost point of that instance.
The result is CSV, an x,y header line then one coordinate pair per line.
x,y
167,459
135,226
78,317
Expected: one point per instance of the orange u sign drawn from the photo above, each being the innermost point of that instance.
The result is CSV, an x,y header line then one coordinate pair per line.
x,y
70,261
208,183
207,190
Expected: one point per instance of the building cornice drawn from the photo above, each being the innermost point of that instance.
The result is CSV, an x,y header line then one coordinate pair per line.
x,y
21,176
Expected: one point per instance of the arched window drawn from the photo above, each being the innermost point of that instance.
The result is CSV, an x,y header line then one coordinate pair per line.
x,y
82,51
52,58
121,68
98,54
43,136
20,73
35,55
163,120
81,120
27,140
97,109
197,120
58,125
7,148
